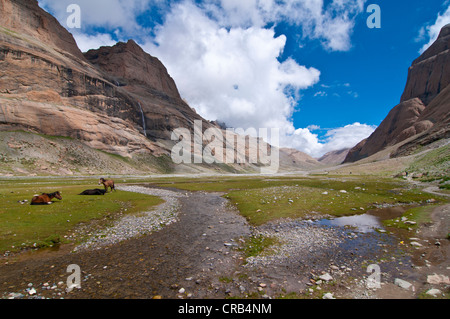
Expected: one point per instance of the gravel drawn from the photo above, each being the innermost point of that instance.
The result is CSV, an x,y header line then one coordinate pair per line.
x,y
132,226
297,238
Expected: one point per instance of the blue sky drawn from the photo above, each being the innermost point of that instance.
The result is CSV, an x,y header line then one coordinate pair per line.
x,y
309,67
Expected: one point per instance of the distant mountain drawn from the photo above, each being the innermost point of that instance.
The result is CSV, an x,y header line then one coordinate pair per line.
x,y
294,159
423,115
334,157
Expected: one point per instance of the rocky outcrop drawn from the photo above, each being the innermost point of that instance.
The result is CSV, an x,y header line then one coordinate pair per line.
x,y
106,100
146,79
129,65
430,73
422,117
24,20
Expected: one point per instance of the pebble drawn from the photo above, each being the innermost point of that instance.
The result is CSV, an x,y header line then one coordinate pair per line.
x,y
295,236
434,292
402,283
333,267
326,277
438,279
328,296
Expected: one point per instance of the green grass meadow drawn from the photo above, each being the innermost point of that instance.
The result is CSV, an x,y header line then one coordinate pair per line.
x,y
264,199
23,226
259,199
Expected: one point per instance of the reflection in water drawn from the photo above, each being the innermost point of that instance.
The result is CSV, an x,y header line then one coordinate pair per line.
x,y
368,222
363,223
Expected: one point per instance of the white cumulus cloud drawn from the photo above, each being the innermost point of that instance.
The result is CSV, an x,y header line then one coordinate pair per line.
x,y
224,58
431,32
335,139
233,75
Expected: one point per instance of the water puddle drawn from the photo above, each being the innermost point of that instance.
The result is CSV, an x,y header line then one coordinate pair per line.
x,y
368,222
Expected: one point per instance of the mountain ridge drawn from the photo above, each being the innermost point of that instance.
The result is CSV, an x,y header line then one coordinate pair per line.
x,y
118,99
424,108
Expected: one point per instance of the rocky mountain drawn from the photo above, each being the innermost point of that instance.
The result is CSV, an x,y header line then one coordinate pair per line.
x,y
334,157
48,86
423,115
118,100
147,81
294,159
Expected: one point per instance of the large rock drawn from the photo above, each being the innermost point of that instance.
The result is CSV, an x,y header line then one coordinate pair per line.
x,y
400,124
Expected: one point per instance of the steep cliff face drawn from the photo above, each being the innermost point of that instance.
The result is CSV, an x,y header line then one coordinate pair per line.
x,y
129,65
48,86
429,74
423,114
24,20
146,79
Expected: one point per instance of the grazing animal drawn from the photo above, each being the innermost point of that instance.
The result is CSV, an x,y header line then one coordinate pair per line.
x,y
45,199
94,192
107,184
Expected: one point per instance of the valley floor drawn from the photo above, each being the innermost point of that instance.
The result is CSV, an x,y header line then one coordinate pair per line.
x,y
206,244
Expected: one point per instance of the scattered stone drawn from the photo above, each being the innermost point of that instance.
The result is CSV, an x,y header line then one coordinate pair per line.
x,y
132,226
434,292
402,283
416,244
438,279
333,267
328,296
182,291
14,295
326,277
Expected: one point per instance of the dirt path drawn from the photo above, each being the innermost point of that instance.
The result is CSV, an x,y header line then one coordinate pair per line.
x,y
198,257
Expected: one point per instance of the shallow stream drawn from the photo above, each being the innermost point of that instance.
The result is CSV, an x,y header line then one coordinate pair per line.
x,y
368,222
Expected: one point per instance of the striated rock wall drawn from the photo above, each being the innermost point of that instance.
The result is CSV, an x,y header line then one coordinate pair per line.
x,y
42,72
424,109
430,73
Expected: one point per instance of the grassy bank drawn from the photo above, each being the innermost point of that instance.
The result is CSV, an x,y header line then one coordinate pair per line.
x,y
263,199
260,199
23,226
